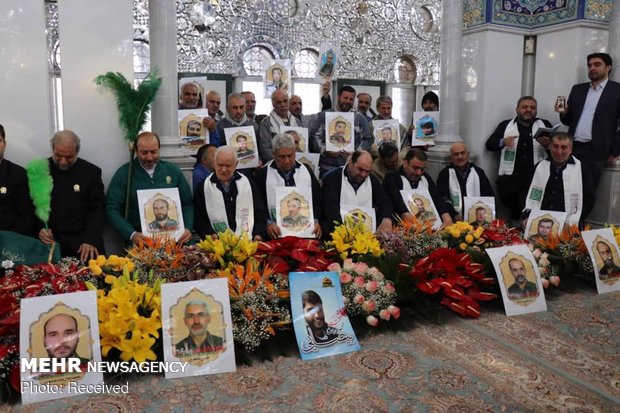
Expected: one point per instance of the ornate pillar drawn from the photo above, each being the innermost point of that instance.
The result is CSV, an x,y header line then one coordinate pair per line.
x,y
614,39
450,84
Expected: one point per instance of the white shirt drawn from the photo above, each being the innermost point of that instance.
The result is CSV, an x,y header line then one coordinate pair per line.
x,y
583,131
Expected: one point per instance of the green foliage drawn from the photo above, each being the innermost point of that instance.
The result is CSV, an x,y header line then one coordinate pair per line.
x,y
41,183
132,104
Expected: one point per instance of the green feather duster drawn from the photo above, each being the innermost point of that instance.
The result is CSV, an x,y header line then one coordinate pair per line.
x,y
41,184
132,104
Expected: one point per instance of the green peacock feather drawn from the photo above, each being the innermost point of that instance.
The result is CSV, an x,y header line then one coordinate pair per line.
x,y
133,104
41,183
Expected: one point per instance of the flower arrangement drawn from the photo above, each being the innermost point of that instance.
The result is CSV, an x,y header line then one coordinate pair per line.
x,y
294,254
256,295
23,281
113,265
616,231
366,292
129,316
229,248
498,234
548,272
456,277
411,241
464,236
168,260
353,239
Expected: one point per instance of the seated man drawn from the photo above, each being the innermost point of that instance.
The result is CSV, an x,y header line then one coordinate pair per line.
x,y
562,183
228,199
460,179
199,340
284,170
411,175
353,184
16,209
78,201
388,160
148,172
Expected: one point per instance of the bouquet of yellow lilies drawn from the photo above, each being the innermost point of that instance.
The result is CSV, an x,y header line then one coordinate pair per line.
x,y
353,238
229,248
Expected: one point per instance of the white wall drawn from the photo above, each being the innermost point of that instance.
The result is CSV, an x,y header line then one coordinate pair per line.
x,y
25,110
95,37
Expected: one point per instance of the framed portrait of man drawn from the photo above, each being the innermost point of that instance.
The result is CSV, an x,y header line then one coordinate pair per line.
x,y
543,223
243,140
519,279
320,321
197,327
312,160
479,210
161,214
426,124
277,77
294,213
386,130
64,327
328,58
191,130
357,214
192,93
421,206
605,256
300,136
339,131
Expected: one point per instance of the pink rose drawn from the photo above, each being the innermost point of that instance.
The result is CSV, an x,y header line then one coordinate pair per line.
x,y
345,278
555,280
372,321
359,299
385,315
395,311
372,286
361,267
545,283
375,273
359,282
369,306
334,267
347,265
389,288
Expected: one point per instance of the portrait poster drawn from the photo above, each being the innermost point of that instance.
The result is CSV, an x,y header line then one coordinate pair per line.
x,y
300,136
386,130
479,210
243,140
277,77
328,58
312,160
192,92
421,206
339,131
63,326
605,256
542,223
191,130
161,214
426,124
519,279
197,327
294,213
358,213
322,327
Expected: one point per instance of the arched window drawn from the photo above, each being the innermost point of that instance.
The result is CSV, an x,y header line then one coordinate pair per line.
x,y
256,60
305,64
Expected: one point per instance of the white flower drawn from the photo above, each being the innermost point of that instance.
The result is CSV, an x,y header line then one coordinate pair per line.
x,y
7,264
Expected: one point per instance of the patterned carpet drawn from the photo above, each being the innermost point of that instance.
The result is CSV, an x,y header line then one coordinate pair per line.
x,y
566,359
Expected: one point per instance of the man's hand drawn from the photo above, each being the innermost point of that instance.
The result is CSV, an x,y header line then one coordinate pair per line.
x,y
87,252
46,236
258,238
385,226
317,230
543,140
611,160
509,141
559,109
187,235
446,219
273,230
209,123
137,237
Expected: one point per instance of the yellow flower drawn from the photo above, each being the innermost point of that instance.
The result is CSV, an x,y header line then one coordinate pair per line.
x,y
463,246
478,232
94,268
100,260
469,238
137,348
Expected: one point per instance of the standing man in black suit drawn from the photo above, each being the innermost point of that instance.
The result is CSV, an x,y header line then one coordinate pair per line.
x,y
592,114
